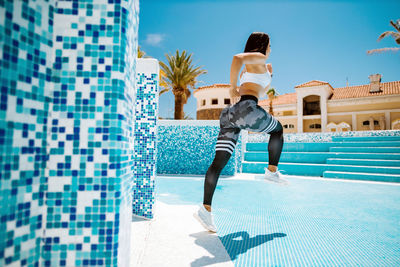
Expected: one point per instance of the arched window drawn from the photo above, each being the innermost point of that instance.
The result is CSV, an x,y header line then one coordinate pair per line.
x,y
203,103
311,105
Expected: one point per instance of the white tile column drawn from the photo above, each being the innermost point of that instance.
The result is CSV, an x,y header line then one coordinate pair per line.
x,y
146,117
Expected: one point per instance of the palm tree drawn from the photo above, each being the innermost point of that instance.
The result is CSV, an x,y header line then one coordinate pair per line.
x,y
140,53
162,84
180,76
271,96
395,35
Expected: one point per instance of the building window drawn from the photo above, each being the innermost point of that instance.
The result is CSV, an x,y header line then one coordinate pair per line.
x,y
366,123
203,103
315,126
214,101
311,105
290,126
227,101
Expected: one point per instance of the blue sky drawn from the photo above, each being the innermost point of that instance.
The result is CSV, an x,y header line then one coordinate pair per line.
x,y
310,40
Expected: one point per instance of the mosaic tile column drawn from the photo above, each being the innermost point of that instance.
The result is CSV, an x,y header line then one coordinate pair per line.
x,y
66,131
26,82
147,90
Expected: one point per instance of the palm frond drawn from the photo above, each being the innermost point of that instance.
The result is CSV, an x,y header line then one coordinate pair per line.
x,y
271,93
396,25
140,53
381,50
163,91
395,35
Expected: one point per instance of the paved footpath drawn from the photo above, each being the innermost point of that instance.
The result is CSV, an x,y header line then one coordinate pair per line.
x,y
175,238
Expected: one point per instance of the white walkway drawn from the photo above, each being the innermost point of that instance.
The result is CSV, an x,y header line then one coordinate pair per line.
x,y
175,238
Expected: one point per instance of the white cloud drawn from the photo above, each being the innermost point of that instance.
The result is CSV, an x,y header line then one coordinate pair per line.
x,y
154,39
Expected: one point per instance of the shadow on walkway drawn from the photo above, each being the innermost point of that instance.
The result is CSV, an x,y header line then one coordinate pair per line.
x,y
213,245
239,242
234,243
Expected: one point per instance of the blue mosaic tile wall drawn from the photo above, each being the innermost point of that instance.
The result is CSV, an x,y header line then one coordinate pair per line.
x,y
320,137
66,131
25,73
147,91
188,147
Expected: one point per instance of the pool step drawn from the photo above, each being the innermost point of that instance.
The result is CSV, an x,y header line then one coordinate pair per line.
x,y
299,157
366,149
320,157
364,168
365,138
327,146
368,162
363,176
296,147
305,169
375,158
367,144
311,169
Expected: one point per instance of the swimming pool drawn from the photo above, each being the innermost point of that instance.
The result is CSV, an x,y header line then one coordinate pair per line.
x,y
312,222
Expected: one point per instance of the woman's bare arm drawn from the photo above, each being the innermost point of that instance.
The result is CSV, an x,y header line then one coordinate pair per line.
x,y
269,67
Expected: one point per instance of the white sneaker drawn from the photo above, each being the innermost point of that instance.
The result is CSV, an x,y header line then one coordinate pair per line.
x,y
274,177
205,218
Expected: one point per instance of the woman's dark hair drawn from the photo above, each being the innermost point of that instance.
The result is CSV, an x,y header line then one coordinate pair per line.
x,y
257,42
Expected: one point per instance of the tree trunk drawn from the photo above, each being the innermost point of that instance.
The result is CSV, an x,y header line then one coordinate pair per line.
x,y
271,111
178,107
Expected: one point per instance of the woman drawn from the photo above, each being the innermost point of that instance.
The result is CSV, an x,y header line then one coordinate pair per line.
x,y
247,115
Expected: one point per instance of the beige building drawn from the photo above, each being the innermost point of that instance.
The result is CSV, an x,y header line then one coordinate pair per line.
x,y
211,100
318,107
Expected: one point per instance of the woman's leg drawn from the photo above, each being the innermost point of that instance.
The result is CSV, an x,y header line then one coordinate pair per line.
x,y
220,160
275,145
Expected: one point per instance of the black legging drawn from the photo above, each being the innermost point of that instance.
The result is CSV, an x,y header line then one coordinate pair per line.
x,y
221,158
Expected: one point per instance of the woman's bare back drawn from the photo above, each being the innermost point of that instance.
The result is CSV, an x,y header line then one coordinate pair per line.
x,y
253,88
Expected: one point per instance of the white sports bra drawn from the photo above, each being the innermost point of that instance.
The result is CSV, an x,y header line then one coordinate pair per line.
x,y
263,79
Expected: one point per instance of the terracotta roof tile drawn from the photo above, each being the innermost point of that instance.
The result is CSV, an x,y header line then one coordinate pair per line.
x,y
281,100
388,88
212,86
311,83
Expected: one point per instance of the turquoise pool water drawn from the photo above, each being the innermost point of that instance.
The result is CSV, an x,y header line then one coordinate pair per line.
x,y
310,223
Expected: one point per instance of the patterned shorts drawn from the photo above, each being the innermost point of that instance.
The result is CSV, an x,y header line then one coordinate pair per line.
x,y
247,115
